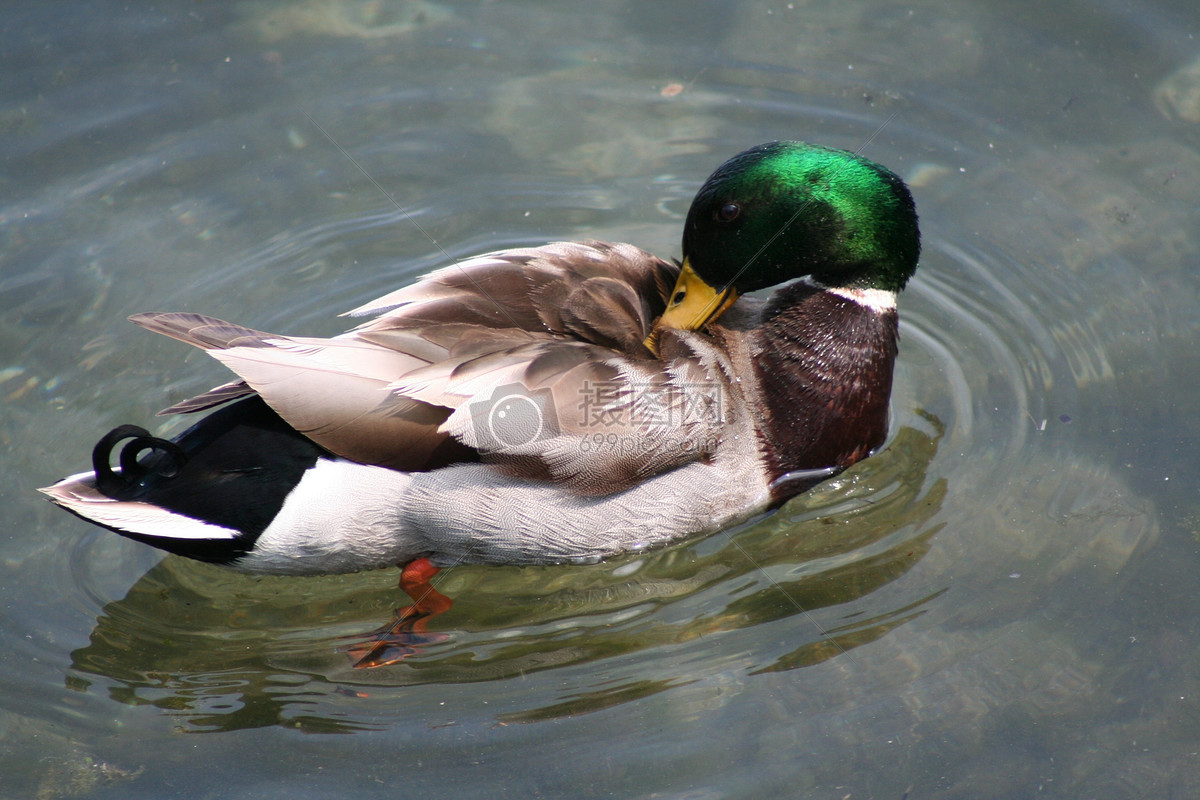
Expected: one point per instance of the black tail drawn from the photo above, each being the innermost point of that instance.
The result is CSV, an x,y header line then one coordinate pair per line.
x,y
234,468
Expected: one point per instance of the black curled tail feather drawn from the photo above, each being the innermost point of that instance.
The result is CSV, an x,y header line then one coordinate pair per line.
x,y
121,485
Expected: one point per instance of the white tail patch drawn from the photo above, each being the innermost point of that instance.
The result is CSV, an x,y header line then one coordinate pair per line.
x,y
78,493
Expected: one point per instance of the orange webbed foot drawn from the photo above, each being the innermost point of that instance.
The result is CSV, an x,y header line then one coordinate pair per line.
x,y
406,634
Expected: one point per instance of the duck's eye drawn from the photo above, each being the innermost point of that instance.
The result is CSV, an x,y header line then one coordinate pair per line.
x,y
729,212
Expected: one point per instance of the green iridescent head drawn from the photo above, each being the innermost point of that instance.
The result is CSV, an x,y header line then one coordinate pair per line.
x,y
788,209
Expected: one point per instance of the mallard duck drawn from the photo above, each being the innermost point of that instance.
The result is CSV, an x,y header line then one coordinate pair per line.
x,y
563,403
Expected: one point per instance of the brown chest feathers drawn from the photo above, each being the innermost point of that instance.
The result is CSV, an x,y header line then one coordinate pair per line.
x,y
824,365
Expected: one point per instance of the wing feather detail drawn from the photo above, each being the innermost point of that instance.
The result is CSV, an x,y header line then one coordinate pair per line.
x,y
555,330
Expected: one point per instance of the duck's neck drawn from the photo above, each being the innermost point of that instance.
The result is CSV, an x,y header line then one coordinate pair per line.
x,y
823,360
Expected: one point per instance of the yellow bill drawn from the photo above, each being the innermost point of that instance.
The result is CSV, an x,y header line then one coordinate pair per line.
x,y
693,304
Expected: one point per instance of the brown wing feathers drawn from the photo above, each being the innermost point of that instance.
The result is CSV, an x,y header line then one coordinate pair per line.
x,y
539,318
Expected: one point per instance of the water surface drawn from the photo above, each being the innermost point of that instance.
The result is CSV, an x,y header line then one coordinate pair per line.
x,y
998,604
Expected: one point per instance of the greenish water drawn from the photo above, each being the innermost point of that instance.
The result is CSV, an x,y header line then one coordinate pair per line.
x,y
999,604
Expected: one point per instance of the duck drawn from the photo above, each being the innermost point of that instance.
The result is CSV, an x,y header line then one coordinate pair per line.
x,y
565,403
